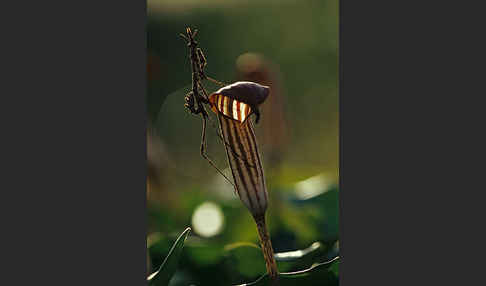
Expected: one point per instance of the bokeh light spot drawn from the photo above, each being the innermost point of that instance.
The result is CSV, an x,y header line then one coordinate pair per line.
x,y
208,219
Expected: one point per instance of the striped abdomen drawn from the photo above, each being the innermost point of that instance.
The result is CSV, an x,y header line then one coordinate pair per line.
x,y
229,107
245,163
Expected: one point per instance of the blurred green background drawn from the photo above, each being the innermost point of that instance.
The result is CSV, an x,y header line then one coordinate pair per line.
x,y
292,46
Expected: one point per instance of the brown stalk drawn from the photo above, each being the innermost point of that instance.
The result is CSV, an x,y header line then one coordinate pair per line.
x,y
267,250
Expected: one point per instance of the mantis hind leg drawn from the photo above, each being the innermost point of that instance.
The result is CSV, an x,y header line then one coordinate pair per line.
x,y
203,150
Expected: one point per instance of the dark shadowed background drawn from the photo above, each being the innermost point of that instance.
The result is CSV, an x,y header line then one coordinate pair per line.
x,y
292,46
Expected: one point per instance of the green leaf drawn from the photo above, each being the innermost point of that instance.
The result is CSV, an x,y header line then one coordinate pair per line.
x,y
204,254
322,209
246,259
162,276
316,268
298,254
335,268
318,274
299,259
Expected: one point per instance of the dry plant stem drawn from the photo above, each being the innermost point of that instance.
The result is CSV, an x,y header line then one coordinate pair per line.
x,y
267,249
